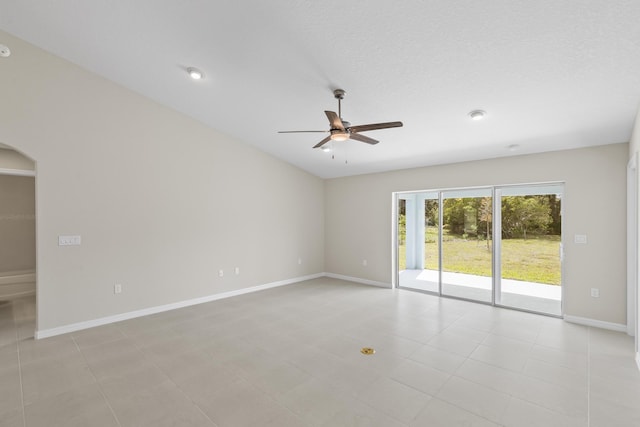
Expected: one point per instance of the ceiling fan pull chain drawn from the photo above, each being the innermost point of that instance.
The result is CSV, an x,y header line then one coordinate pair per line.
x,y
346,153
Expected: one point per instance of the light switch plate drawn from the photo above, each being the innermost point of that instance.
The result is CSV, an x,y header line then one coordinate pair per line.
x,y
69,240
580,239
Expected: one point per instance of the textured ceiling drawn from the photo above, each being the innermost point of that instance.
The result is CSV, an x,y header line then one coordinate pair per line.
x,y
551,74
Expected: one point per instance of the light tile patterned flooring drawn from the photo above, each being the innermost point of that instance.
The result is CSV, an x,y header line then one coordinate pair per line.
x,y
290,357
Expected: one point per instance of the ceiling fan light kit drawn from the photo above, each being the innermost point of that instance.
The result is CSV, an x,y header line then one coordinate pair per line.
x,y
341,130
339,136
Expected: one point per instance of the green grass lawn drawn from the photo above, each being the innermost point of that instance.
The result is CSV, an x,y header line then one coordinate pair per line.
x,y
533,260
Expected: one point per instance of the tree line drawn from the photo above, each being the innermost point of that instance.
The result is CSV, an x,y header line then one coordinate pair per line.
x,y
522,216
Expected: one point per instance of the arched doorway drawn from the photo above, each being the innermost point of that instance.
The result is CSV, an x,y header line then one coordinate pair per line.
x,y
18,243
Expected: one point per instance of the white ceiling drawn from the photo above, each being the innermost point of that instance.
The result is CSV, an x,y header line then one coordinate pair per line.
x,y
551,74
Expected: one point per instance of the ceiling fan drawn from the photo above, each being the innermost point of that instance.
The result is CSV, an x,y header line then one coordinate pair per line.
x,y
341,130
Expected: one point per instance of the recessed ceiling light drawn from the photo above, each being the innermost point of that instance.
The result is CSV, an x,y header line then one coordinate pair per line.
x,y
4,51
325,148
477,114
513,147
195,74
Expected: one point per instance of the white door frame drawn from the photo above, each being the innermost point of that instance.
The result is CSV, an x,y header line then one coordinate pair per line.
x,y
632,249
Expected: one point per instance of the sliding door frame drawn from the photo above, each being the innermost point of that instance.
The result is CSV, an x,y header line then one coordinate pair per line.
x,y
496,255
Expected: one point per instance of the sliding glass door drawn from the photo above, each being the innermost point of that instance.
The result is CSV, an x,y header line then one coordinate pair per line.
x,y
418,241
530,248
466,244
496,245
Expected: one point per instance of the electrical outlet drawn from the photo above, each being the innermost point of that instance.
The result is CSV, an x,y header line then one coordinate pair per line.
x,y
117,288
237,270
595,292
299,261
364,262
220,273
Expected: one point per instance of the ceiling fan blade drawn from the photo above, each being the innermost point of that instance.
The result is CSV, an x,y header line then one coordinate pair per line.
x,y
321,143
335,121
303,131
363,138
374,126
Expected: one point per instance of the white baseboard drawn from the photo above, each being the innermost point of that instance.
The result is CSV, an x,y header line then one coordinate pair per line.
x,y
16,284
618,327
15,292
13,277
359,280
46,333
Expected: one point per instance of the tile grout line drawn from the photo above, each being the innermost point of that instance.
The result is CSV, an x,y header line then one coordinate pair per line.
x,y
435,397
104,396
511,396
155,365
453,375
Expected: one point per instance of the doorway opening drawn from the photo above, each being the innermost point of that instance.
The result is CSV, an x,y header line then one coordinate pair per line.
x,y
18,244
499,245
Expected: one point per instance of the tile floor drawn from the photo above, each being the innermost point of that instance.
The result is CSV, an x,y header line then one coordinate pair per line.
x,y
290,357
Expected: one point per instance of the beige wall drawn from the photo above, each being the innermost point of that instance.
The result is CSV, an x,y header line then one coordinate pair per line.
x,y
17,224
161,201
359,210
